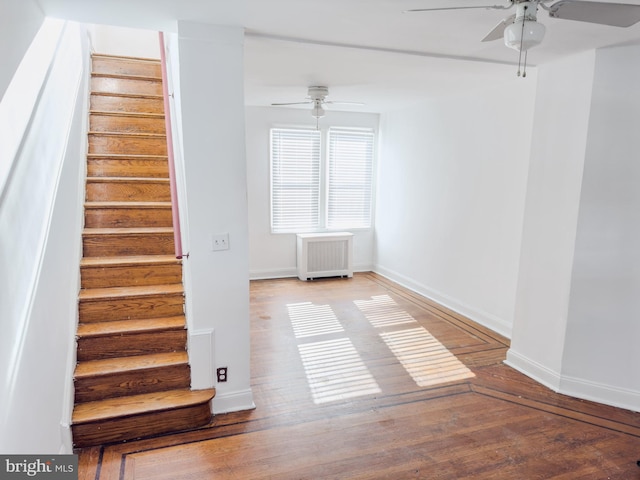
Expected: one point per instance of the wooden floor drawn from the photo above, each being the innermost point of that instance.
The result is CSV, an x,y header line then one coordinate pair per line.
x,y
359,378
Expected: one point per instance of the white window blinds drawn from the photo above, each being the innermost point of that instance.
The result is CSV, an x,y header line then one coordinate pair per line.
x,y
349,178
295,180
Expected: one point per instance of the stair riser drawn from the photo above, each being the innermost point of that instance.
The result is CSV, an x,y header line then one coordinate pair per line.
x,y
130,276
126,145
126,85
132,383
134,191
127,244
111,167
127,217
124,67
126,124
113,103
130,344
138,426
139,307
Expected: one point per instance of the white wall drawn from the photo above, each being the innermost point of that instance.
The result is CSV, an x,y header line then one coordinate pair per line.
x,y
19,23
40,225
128,42
602,353
274,255
553,197
215,173
452,179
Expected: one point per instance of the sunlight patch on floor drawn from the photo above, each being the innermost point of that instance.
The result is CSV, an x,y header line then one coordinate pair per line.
x,y
309,320
383,311
424,357
335,371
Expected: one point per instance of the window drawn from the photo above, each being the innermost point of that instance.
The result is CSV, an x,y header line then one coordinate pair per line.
x,y
311,191
295,180
350,174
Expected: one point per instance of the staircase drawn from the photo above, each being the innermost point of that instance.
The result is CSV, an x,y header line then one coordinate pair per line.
x,y
132,379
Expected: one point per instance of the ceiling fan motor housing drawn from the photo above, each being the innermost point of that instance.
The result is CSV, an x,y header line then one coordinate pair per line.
x,y
317,93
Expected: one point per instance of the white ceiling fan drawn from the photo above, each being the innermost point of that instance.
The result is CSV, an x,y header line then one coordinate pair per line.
x,y
316,96
521,31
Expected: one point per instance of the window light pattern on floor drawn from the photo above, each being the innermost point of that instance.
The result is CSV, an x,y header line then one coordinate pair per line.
x,y
335,371
309,320
424,357
383,311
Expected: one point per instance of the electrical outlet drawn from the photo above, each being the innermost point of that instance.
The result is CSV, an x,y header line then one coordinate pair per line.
x,y
220,241
222,374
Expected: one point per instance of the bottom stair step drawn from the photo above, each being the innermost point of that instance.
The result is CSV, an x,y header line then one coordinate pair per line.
x,y
101,379
137,416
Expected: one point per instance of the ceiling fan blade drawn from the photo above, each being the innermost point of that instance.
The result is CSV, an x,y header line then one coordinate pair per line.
x,y
337,102
487,7
291,103
614,14
498,30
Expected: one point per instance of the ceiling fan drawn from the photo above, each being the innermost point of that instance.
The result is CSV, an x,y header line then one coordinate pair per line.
x,y
316,96
521,31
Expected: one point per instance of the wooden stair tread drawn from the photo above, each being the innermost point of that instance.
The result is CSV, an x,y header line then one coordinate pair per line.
x,y
125,57
127,76
124,231
98,329
109,113
118,204
148,96
163,181
92,368
128,134
125,156
131,260
138,404
123,292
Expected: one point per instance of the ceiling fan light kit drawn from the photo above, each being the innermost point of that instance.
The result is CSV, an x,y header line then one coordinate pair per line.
x,y
525,32
318,111
521,36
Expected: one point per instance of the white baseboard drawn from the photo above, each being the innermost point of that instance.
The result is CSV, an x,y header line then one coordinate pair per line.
x,y
601,393
496,324
233,402
292,272
270,274
66,439
532,369
572,386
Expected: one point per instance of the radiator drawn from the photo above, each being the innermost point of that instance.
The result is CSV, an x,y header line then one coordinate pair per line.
x,y
325,255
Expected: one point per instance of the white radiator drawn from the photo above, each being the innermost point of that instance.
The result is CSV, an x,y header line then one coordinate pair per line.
x,y
325,255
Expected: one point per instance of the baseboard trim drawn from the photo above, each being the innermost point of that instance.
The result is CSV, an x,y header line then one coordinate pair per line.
x,y
233,402
292,272
271,274
573,386
534,370
496,324
600,392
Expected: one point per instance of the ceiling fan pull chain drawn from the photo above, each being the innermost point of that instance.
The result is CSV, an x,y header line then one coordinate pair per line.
x,y
524,68
521,41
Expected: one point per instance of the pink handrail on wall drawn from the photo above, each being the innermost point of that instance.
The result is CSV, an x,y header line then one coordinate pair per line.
x,y
177,237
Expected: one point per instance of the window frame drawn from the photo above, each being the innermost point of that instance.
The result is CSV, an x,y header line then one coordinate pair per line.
x,y
323,184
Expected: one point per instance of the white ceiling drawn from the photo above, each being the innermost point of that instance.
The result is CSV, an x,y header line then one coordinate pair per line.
x,y
363,50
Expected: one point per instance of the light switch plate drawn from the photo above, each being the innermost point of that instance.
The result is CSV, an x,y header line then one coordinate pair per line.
x,y
220,241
